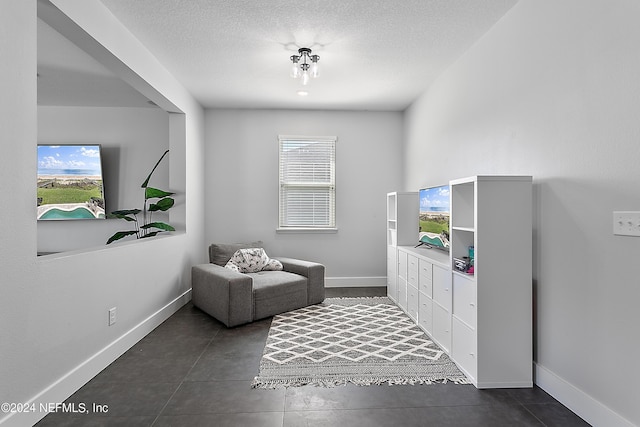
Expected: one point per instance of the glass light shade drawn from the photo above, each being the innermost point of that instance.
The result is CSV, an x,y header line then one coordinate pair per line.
x,y
295,69
305,77
315,72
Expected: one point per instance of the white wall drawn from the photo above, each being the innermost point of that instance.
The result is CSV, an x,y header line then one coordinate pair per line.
x,y
53,320
132,139
553,91
242,185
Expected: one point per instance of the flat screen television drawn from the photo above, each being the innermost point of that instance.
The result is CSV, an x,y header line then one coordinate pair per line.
x,y
70,182
434,217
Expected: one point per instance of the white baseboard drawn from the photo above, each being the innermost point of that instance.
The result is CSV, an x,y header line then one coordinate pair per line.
x,y
73,380
354,282
585,406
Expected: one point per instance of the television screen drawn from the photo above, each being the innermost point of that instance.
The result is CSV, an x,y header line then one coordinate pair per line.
x,y
70,182
434,217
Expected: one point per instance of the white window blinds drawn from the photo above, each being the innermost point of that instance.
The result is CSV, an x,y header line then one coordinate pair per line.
x,y
307,182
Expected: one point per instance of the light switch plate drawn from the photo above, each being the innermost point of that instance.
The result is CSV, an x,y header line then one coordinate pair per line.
x,y
626,223
112,316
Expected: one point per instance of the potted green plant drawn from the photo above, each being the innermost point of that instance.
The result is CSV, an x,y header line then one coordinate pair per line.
x,y
147,228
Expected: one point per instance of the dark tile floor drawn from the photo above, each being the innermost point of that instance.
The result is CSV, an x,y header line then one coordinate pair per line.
x,y
193,371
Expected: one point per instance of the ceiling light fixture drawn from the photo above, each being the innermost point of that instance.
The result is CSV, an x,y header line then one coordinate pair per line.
x,y
304,65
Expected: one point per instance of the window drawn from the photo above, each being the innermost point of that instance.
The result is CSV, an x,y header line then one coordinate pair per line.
x,y
307,183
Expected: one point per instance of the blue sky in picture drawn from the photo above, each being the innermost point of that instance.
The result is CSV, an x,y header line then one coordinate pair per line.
x,y
434,199
69,160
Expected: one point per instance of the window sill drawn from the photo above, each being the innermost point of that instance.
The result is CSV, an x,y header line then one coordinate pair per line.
x,y
314,230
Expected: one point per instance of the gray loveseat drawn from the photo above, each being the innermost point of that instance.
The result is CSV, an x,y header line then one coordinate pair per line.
x,y
236,298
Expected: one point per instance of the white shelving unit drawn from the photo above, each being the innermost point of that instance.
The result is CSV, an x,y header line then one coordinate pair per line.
x,y
402,229
492,309
482,320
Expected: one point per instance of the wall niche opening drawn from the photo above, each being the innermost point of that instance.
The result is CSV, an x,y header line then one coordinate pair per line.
x,y
87,96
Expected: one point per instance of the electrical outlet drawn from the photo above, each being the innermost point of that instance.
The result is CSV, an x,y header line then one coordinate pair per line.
x,y
112,316
626,223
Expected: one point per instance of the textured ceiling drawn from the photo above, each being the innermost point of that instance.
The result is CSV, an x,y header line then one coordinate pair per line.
x,y
375,54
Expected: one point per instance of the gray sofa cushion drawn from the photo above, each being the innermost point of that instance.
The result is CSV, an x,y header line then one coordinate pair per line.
x,y
221,253
275,292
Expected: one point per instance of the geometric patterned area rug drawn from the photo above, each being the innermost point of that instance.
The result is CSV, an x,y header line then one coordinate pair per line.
x,y
364,341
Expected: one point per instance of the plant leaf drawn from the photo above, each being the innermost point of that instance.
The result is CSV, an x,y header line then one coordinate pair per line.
x,y
162,205
160,225
151,192
153,233
126,212
121,216
146,181
119,235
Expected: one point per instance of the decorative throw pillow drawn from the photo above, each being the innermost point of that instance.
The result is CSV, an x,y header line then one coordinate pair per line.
x,y
221,253
273,265
248,260
232,266
252,260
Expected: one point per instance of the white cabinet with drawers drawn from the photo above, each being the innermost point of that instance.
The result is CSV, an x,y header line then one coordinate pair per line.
x,y
402,280
428,280
425,277
425,313
483,320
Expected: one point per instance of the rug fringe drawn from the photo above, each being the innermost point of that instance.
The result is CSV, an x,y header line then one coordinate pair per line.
x,y
336,382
